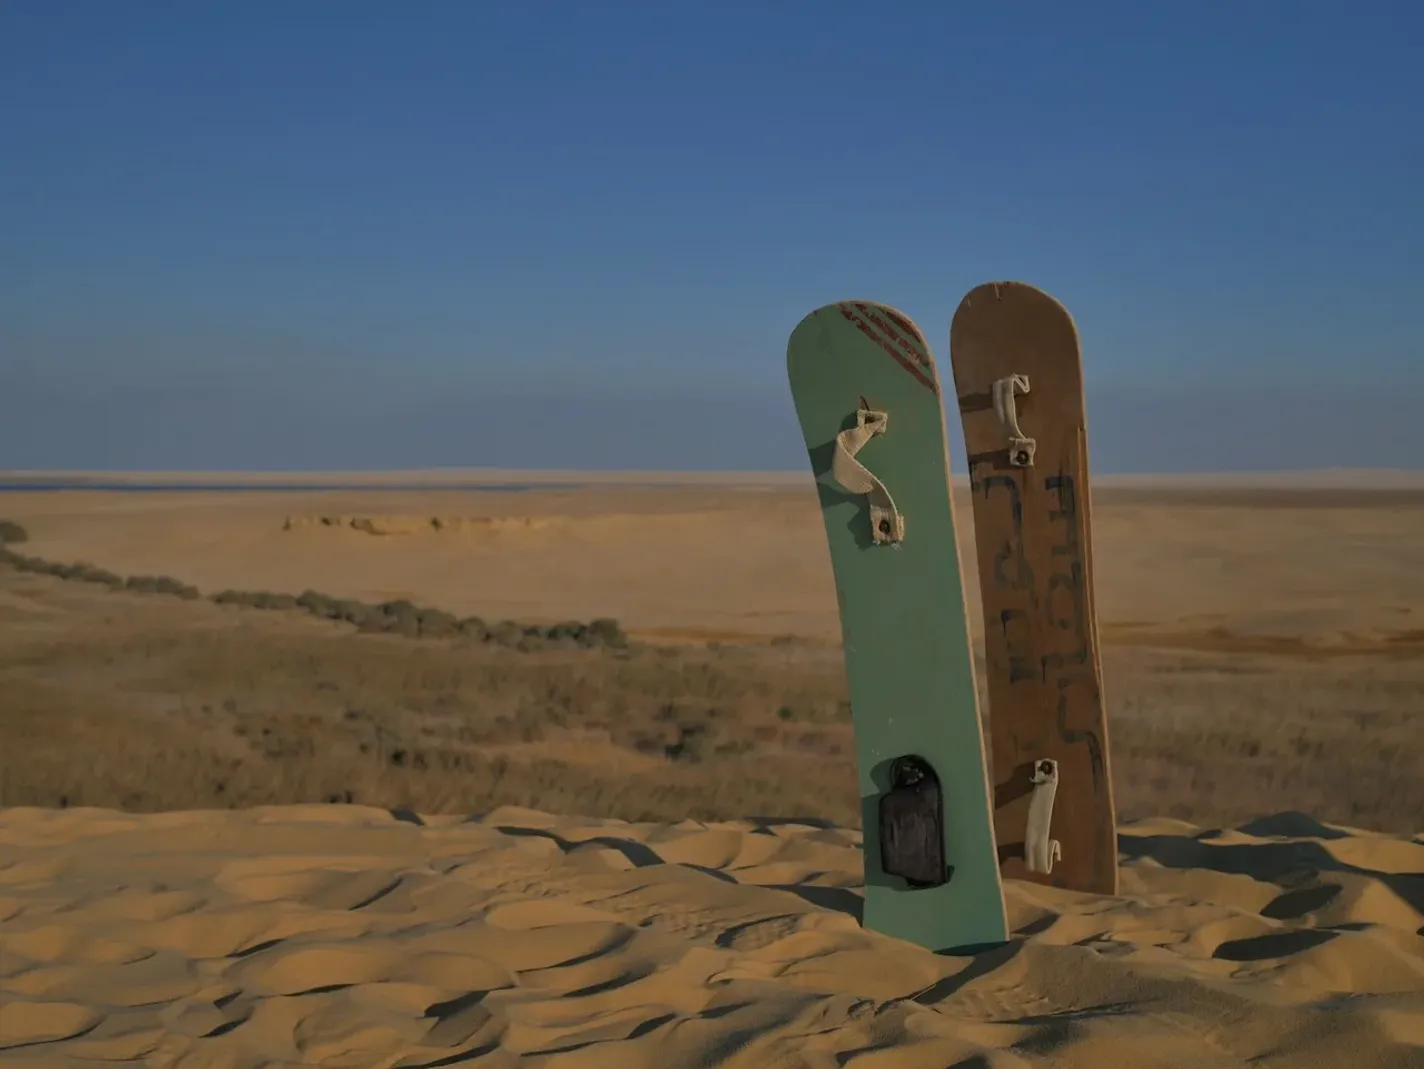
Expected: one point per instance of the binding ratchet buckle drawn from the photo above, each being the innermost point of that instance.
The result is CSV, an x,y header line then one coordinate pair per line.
x,y
1040,852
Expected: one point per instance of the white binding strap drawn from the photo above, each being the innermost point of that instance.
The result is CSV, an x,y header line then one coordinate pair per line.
x,y
886,523
1040,852
1021,449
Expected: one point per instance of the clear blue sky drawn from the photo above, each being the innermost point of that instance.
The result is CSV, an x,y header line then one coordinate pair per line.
x,y
355,234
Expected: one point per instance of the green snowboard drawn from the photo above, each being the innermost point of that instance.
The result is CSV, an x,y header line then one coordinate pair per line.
x,y
868,399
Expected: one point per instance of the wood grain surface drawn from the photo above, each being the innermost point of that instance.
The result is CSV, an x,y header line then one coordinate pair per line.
x,y
1033,536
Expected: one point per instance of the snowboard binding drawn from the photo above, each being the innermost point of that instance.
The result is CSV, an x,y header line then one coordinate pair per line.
x,y
1021,448
1040,852
912,824
887,524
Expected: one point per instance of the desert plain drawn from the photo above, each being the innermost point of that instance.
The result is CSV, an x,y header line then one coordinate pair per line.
x,y
252,818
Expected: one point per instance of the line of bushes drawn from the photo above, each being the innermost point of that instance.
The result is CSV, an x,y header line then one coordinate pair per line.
x,y
88,573
389,617
405,618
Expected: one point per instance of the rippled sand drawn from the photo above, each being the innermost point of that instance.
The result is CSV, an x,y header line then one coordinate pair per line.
x,y
351,936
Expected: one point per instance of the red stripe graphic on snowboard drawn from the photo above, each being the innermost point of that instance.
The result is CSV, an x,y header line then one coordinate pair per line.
x,y
903,327
900,332
901,349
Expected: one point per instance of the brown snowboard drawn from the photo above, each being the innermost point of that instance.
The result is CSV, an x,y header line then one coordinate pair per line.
x,y
1034,546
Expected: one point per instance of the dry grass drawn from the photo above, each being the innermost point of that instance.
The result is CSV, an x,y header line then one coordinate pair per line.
x,y
121,698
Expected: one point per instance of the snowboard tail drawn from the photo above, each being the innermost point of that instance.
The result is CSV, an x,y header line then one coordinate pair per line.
x,y
867,397
1018,376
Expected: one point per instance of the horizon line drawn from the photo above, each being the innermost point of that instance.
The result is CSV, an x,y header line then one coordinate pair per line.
x,y
435,477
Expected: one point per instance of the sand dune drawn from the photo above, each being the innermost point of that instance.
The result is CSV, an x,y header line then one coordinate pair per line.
x,y
351,936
